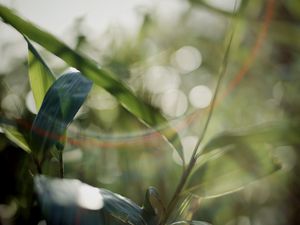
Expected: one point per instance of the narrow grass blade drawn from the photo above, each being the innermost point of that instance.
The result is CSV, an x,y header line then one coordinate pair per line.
x,y
143,111
16,137
40,76
283,132
233,160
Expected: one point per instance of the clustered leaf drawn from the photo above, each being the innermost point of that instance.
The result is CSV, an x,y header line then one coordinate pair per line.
x,y
143,111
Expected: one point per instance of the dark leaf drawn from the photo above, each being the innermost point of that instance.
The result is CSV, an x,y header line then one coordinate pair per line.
x,y
58,109
153,208
69,201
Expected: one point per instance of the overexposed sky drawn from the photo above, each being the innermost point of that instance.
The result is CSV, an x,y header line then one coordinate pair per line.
x,y
57,15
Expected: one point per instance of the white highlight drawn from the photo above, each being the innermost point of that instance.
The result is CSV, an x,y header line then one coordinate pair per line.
x,y
89,197
200,96
188,144
159,79
174,103
226,5
188,59
30,103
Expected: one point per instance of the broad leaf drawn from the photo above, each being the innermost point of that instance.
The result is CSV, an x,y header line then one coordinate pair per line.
x,y
69,201
40,76
143,111
58,109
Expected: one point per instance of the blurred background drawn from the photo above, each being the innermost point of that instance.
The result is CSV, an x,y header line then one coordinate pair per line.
x,y
169,53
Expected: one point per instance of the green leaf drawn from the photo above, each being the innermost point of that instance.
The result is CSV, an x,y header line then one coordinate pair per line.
x,y
69,201
61,103
16,137
40,76
230,169
153,208
282,132
143,111
231,160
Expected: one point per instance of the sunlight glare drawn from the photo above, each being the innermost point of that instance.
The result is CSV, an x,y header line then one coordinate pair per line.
x,y
30,103
200,96
226,5
174,103
187,59
90,197
188,144
159,79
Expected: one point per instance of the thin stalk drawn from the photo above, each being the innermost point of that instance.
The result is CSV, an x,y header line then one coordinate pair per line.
x,y
178,190
187,171
222,72
61,164
37,164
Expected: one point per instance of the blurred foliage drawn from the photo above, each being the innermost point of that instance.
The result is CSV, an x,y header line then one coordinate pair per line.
x,y
108,147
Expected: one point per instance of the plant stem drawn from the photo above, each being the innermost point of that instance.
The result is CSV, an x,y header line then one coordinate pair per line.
x,y
195,155
61,164
37,164
178,190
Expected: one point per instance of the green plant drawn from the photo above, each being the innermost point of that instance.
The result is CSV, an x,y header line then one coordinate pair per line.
x,y
203,175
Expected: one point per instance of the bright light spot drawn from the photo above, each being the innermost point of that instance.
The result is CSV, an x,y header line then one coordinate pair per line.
x,y
174,103
70,70
30,103
159,79
42,222
188,144
12,105
105,106
101,100
8,211
169,11
188,59
206,24
200,96
227,5
73,155
89,197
